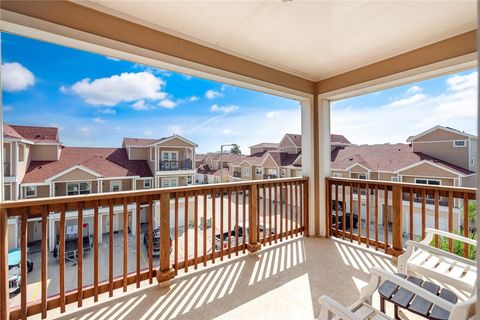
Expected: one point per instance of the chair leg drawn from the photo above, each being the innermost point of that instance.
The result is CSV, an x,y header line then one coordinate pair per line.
x,y
395,312
382,304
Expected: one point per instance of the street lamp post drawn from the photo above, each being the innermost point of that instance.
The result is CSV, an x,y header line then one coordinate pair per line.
x,y
221,158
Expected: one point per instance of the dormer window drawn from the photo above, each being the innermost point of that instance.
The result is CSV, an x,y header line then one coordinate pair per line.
x,y
459,143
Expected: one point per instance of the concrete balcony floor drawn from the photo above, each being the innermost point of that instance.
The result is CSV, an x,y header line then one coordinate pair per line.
x,y
283,282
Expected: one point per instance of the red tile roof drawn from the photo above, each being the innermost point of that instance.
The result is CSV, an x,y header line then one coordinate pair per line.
x,y
108,162
36,134
384,157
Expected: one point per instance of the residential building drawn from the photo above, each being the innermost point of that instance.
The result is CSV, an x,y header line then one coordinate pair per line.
x,y
213,165
38,165
438,156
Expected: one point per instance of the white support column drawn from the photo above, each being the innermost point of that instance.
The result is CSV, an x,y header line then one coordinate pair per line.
x,y
324,157
100,186
308,158
134,184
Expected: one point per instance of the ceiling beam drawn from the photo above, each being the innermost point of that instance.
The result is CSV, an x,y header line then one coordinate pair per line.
x,y
450,48
72,15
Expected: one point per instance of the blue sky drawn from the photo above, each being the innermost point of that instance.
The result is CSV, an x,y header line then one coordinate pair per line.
x,y
96,101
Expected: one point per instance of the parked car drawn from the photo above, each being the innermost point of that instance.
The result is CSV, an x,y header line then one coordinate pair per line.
x,y
242,232
156,241
71,243
14,271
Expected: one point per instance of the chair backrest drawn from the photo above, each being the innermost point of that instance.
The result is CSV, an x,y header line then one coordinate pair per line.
x,y
464,310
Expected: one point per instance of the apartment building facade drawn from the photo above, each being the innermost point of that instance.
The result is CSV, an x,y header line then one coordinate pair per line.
x,y
214,165
38,165
438,156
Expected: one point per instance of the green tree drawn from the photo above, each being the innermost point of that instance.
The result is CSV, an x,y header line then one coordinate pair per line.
x,y
236,149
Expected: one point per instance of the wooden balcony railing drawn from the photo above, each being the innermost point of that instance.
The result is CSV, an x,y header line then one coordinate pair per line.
x,y
366,220
170,165
210,222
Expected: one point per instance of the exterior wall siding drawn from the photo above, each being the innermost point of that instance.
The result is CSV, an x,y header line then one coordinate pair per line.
x,y
446,152
139,153
76,175
427,170
44,152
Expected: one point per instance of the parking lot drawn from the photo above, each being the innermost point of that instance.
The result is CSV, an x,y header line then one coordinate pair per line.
x,y
53,275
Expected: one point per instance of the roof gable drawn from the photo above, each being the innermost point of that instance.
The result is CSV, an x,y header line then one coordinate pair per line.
x,y
440,133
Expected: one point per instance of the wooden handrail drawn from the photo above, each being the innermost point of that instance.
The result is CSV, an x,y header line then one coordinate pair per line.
x,y
261,226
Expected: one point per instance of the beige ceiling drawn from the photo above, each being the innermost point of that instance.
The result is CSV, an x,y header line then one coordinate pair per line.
x,y
311,39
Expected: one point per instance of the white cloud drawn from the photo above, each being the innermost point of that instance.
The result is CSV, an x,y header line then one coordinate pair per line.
x,y
16,77
408,101
141,105
271,114
167,103
193,98
229,132
414,89
125,87
187,76
175,129
107,111
212,94
224,109
148,132
112,58
455,108
464,82
98,120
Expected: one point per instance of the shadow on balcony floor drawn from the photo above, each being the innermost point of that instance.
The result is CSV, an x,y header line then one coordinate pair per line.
x,y
283,282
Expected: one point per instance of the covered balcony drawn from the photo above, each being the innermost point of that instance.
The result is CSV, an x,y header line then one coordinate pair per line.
x,y
265,249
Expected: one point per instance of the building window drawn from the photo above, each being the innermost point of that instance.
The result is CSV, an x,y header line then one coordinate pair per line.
x,y
337,175
394,179
433,182
245,171
115,186
77,188
298,173
152,154
147,183
21,152
472,161
169,182
362,176
459,143
259,171
284,172
30,191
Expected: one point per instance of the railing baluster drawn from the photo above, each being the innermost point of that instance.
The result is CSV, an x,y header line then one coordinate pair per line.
x,y
244,219
411,214
367,223
264,222
281,211
351,212
195,235
336,209
176,233
80,254
377,225
465,224
185,232
221,224
213,225
125,244
137,237
236,222
23,266
62,261
4,287
424,213
150,239
344,211
44,261
229,222
359,213
205,195
110,248
436,215
296,209
275,210
96,234
385,218
450,219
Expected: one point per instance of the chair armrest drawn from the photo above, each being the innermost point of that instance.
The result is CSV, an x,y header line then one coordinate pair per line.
x,y
452,236
419,291
329,304
440,252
